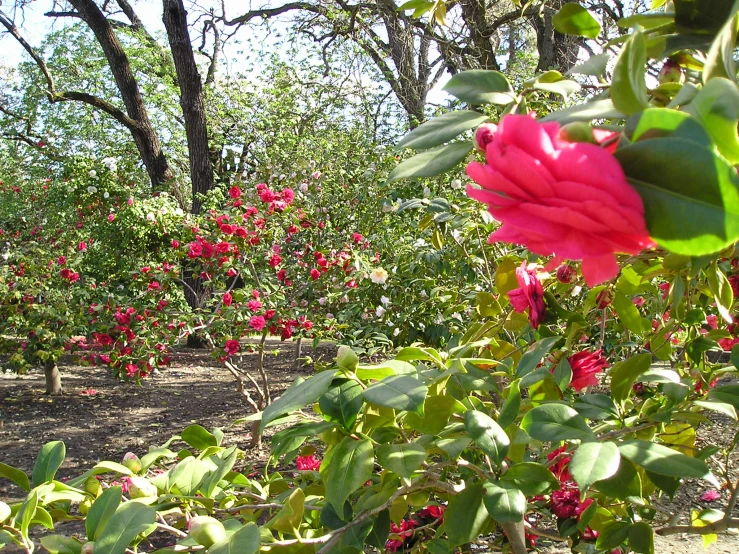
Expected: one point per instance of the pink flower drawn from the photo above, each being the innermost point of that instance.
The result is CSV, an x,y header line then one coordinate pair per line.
x,y
253,305
257,322
584,366
570,200
231,347
309,463
560,466
710,496
314,274
234,192
111,217
638,301
228,299
82,246
530,294
93,392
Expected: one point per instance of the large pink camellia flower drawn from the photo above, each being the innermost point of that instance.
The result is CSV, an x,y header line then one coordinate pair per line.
x,y
529,295
585,365
570,200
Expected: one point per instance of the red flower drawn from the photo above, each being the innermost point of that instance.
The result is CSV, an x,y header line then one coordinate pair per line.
x,y
231,347
584,366
257,322
196,250
234,192
530,294
308,463
253,305
314,274
227,299
275,260
560,466
566,274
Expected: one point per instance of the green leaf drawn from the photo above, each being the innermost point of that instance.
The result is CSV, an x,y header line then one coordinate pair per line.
x,y
351,466
663,460
645,20
509,411
402,459
612,535
596,109
298,396
442,129
690,195
16,475
721,289
101,511
5,511
433,162
553,82
287,519
187,475
716,106
596,406
628,86
720,58
594,461
504,502
531,478
48,461
466,515
57,544
725,393
573,19
629,314
198,437
399,392
342,403
533,356
480,86
595,65
487,434
641,538
719,407
24,515
380,530
123,527
556,422
415,5
224,465
625,373
704,17
626,482
244,541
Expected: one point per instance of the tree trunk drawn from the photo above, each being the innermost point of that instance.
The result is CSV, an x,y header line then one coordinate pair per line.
x,y
297,352
191,99
556,51
53,378
145,137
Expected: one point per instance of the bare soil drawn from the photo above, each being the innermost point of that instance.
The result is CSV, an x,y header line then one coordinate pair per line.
x,y
100,418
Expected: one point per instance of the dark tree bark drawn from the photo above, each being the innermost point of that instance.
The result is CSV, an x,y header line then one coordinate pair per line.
x,y
144,135
191,99
481,50
556,51
53,378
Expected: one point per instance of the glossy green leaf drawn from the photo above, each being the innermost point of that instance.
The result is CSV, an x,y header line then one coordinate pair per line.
x,y
288,518
198,437
431,163
612,535
58,544
721,289
573,19
594,461
343,403
626,482
509,411
645,20
725,393
534,355
466,515
628,86
351,466
663,460
504,501
625,373
399,392
298,396
629,315
720,58
123,527
641,538
48,461
480,86
224,462
402,459
487,434
716,106
531,478
442,129
101,511
596,109
704,17
596,406
556,422
595,65
244,541
16,475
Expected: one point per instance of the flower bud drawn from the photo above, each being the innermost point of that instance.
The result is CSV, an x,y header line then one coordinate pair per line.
x,y
671,72
604,299
566,274
577,131
206,530
484,136
347,359
132,462
88,548
92,486
141,488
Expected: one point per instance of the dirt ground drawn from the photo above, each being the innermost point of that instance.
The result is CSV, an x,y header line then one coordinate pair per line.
x,y
99,418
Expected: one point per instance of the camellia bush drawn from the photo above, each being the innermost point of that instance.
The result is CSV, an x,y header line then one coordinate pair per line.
x,y
571,398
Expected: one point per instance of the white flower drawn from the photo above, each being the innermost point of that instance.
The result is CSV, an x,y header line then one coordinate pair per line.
x,y
303,187
420,243
282,176
106,195
426,192
92,190
576,291
396,332
456,234
322,301
329,315
456,184
92,173
424,294
385,301
439,319
378,276
151,217
364,315
380,311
